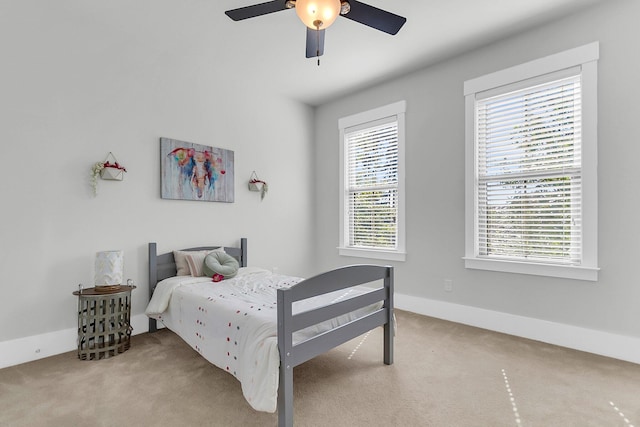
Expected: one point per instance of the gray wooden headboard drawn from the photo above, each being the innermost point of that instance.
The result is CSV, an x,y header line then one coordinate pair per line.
x,y
163,266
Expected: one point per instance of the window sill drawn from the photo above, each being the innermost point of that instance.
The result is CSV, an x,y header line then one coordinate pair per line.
x,y
550,270
373,254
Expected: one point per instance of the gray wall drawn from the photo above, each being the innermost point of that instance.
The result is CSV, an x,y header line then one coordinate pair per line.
x,y
81,79
435,178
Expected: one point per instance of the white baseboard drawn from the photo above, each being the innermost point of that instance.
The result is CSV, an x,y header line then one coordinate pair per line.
x,y
621,347
36,347
577,338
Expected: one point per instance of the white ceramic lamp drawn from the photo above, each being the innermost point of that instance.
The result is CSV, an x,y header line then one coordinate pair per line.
x,y
109,269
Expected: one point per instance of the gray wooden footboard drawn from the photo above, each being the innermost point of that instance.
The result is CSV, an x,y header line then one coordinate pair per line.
x,y
288,323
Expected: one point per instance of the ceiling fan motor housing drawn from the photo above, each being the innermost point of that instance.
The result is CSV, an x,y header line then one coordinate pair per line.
x,y
345,7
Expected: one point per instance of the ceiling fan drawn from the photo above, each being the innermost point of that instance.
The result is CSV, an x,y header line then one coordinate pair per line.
x,y
317,15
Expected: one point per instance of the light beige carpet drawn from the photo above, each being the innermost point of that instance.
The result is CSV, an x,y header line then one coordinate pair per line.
x,y
445,374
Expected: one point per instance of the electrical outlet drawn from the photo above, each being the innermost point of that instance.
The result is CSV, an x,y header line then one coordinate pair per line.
x,y
448,285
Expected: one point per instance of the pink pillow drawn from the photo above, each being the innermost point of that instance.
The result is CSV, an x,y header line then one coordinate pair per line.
x,y
182,266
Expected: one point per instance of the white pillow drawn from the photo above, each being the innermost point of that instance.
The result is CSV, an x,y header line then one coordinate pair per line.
x,y
182,267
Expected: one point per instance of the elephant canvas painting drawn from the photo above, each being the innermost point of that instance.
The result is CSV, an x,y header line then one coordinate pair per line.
x,y
195,172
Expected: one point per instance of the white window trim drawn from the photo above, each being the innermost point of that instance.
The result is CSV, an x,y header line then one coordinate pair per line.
x,y
397,109
585,57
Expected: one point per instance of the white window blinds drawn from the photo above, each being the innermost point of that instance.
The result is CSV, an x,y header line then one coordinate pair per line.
x,y
372,184
529,173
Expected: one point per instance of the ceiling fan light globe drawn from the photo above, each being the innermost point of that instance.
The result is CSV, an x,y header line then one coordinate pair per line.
x,y
318,14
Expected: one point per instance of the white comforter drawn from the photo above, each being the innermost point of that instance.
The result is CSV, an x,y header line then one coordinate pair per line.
x,y
232,324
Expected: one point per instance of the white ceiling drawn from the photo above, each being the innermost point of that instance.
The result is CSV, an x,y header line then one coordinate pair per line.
x,y
270,50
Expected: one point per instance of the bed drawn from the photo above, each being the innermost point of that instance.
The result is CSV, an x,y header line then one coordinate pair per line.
x,y
259,325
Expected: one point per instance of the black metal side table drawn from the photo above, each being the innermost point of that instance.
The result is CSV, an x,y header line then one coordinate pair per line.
x,y
104,322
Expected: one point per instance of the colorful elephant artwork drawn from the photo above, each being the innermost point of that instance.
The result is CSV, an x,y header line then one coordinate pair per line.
x,y
196,172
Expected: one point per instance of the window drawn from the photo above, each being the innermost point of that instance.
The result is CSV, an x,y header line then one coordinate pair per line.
x,y
531,187
372,183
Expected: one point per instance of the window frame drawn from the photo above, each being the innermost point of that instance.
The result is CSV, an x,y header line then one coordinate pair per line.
x,y
398,110
585,57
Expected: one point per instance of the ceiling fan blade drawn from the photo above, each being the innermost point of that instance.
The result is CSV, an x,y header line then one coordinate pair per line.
x,y
375,18
315,43
256,10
